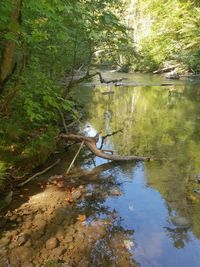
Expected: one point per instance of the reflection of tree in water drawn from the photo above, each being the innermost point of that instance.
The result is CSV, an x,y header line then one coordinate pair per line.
x,y
163,123
109,249
179,235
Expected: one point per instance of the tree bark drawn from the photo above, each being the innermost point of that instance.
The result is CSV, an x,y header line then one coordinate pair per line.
x,y
90,142
7,61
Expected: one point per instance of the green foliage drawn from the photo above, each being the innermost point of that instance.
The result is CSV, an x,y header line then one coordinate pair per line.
x,y
52,39
173,32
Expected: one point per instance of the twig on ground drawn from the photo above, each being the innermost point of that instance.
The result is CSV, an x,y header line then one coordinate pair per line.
x,y
39,173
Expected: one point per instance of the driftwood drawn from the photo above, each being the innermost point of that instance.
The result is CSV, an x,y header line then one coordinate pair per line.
x,y
91,142
163,70
89,76
70,166
39,173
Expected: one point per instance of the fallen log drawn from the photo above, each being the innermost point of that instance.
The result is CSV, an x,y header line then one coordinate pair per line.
x,y
166,69
91,142
89,76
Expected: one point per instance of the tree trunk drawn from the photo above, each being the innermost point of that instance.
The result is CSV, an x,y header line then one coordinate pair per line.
x,y
90,142
7,60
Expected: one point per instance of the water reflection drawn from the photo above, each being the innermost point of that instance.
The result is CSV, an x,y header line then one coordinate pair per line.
x,y
162,122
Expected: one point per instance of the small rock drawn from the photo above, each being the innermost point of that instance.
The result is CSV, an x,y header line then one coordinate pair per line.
x,y
71,246
38,234
28,244
180,221
4,241
68,238
172,75
27,224
20,255
19,219
198,178
22,238
52,243
39,216
60,234
197,191
116,192
39,223
13,217
57,252
9,214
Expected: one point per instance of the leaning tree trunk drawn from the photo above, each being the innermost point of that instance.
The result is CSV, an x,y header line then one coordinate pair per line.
x,y
90,142
7,59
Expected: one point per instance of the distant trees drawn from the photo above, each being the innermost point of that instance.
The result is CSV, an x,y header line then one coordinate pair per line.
x,y
174,32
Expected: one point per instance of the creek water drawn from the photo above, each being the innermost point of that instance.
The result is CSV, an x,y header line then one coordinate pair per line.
x,y
133,214
162,122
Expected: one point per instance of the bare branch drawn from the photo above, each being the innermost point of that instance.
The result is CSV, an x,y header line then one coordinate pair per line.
x,y
90,142
38,173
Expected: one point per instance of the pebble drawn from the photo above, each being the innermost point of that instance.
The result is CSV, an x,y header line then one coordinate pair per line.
x,y
181,221
68,238
20,255
22,238
13,217
60,234
116,192
57,252
52,243
39,223
4,241
19,219
71,246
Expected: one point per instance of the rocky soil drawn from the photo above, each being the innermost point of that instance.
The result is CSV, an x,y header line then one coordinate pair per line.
x,y
65,226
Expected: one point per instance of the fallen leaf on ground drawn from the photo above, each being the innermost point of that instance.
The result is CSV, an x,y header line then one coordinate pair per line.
x,y
81,218
69,198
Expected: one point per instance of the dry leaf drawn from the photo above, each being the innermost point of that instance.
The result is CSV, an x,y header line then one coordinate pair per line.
x,y
81,218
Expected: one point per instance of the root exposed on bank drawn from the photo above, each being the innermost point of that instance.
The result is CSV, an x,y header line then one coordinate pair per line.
x,y
91,142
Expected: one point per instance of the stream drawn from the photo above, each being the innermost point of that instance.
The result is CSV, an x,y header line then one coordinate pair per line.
x,y
115,215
